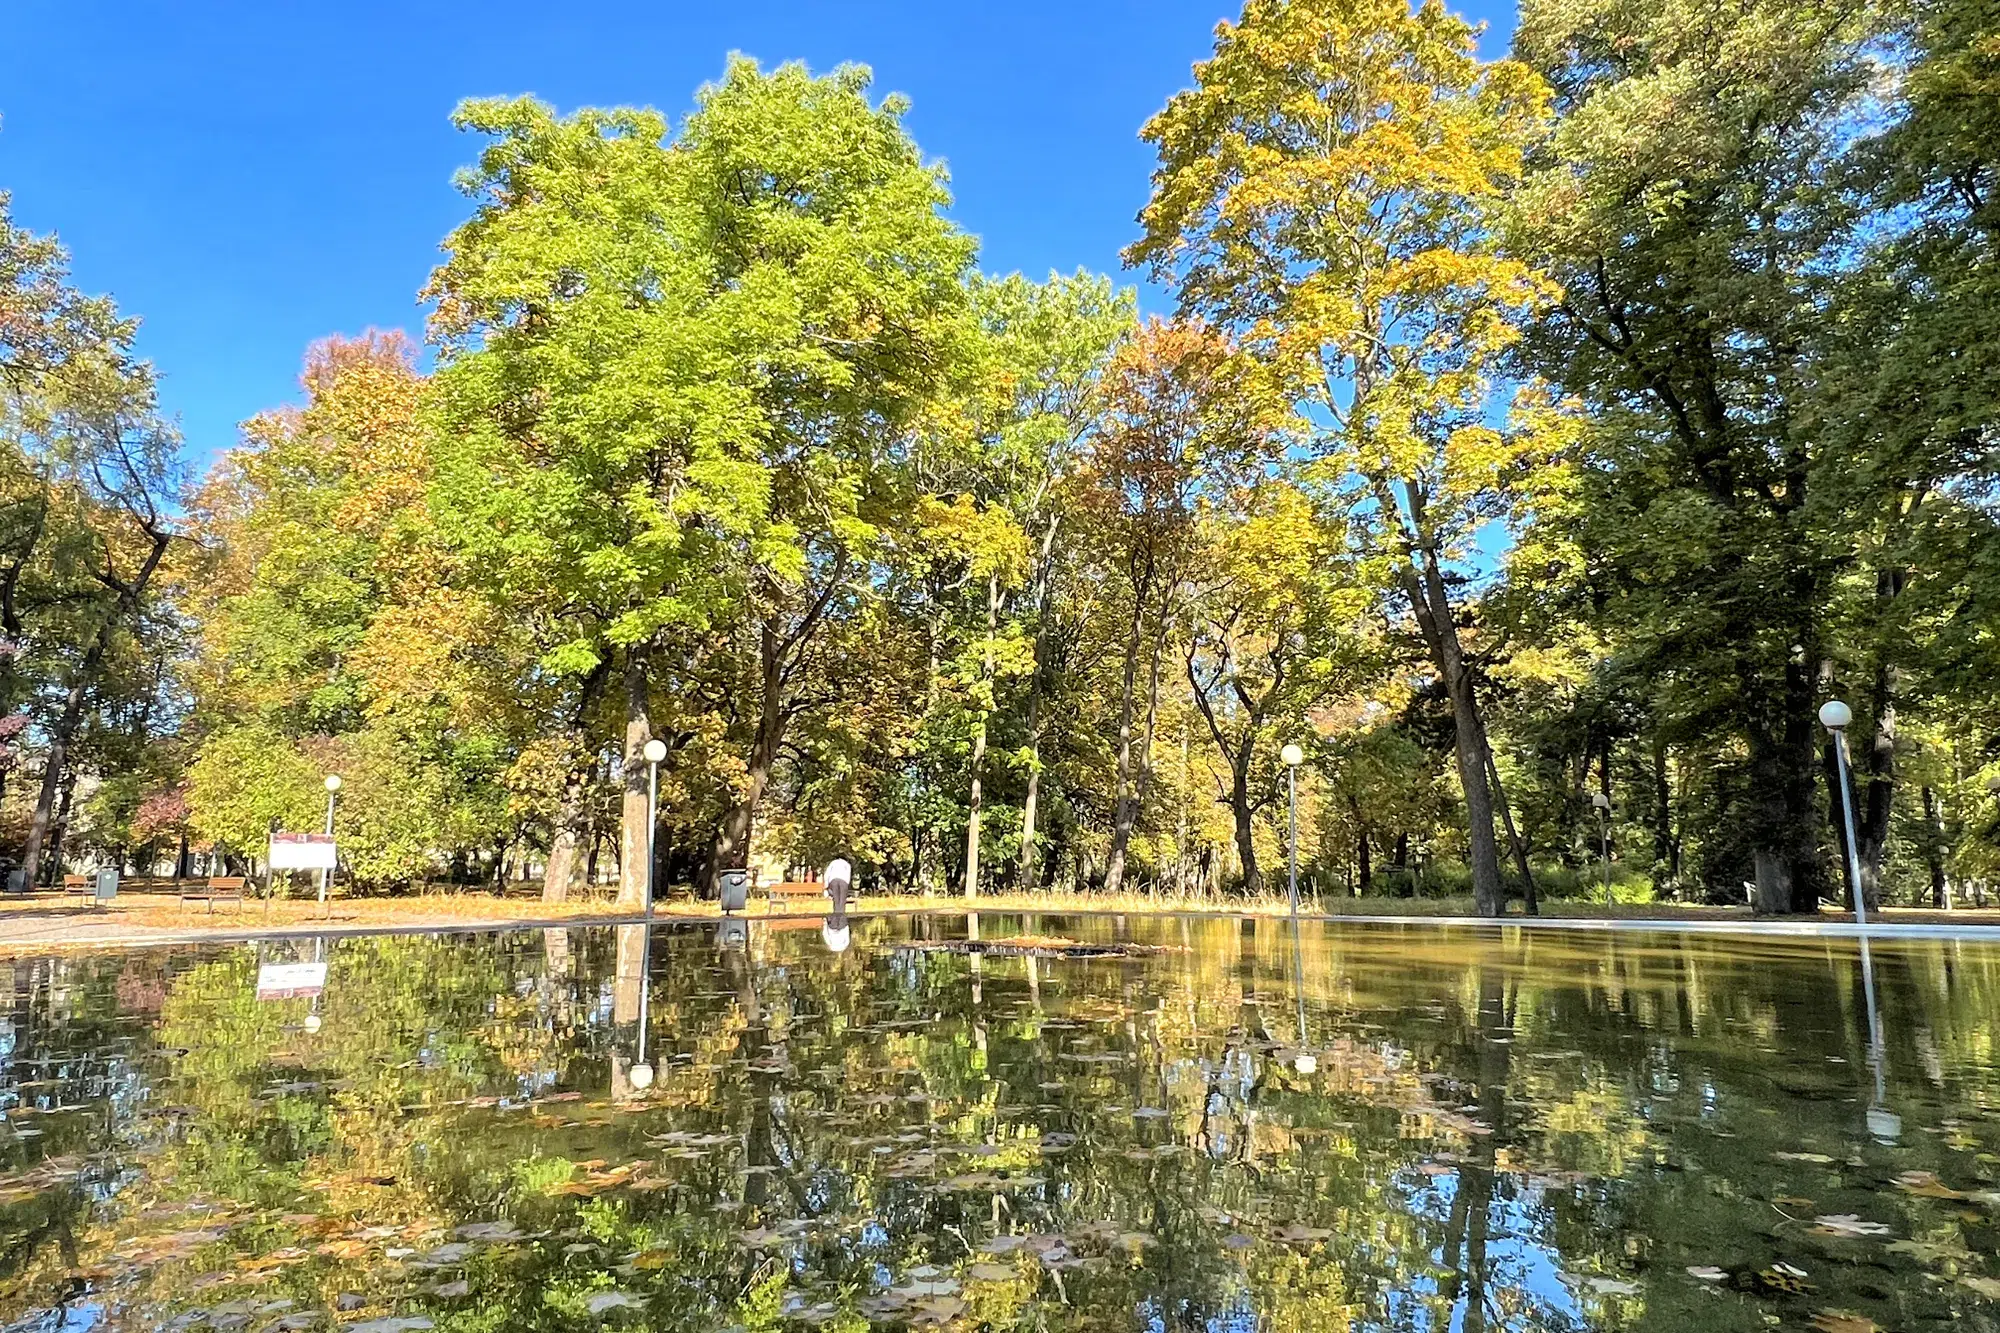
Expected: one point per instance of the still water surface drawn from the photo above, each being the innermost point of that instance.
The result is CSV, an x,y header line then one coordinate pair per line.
x,y
1473,1130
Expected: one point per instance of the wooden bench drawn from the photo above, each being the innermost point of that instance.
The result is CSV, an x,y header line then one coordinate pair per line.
x,y
81,885
221,888
792,890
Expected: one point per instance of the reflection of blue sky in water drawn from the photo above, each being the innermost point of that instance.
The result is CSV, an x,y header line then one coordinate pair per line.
x,y
1519,1260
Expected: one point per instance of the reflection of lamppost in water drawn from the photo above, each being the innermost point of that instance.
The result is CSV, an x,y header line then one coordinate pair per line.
x,y
312,1021
656,750
332,795
641,1073
1883,1123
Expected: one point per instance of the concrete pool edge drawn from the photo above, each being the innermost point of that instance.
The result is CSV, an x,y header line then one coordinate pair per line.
x,y
162,937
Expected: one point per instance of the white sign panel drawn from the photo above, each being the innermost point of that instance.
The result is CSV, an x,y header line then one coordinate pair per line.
x,y
285,981
301,851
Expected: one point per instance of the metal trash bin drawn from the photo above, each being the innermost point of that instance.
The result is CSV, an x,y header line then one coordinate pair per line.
x,y
107,886
733,887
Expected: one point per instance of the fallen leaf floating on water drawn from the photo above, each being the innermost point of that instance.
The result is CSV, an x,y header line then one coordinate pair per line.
x,y
444,1256
1847,1224
409,1324
936,1310
1780,1279
1706,1273
502,1230
1932,1252
1817,1158
1985,1286
614,1300
1926,1185
1844,1321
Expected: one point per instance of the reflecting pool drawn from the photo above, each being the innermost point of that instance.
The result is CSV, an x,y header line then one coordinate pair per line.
x,y
1071,1123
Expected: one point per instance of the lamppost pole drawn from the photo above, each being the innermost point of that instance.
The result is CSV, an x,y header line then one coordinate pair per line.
x,y
656,750
1602,804
1293,757
332,795
1835,717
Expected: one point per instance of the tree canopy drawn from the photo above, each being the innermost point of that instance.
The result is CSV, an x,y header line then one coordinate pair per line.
x,y
1535,438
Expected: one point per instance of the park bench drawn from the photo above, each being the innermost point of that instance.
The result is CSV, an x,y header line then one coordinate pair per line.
x,y
793,890
80,885
220,888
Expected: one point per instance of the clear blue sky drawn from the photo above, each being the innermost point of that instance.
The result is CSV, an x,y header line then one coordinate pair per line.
x,y
252,175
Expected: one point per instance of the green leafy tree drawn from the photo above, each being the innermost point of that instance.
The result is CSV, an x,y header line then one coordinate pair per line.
x,y
1330,189
1686,204
674,371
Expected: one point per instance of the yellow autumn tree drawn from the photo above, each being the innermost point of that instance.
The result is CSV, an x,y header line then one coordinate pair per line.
x,y
1328,191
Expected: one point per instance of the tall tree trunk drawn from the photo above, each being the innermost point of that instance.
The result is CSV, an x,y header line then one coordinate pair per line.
x,y
1239,807
1430,601
573,816
1934,851
1663,809
972,810
56,763
1024,873
1122,808
1784,846
1152,711
633,824
1877,797
1044,594
1532,899
1364,875
732,842
60,828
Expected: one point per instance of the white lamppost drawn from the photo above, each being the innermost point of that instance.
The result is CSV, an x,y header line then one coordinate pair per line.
x,y
1602,804
655,751
332,795
1835,717
1293,757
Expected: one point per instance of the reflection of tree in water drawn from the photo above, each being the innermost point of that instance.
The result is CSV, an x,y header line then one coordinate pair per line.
x,y
1500,1134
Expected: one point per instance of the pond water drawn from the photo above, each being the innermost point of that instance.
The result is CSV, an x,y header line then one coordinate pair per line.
x,y
1473,1130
